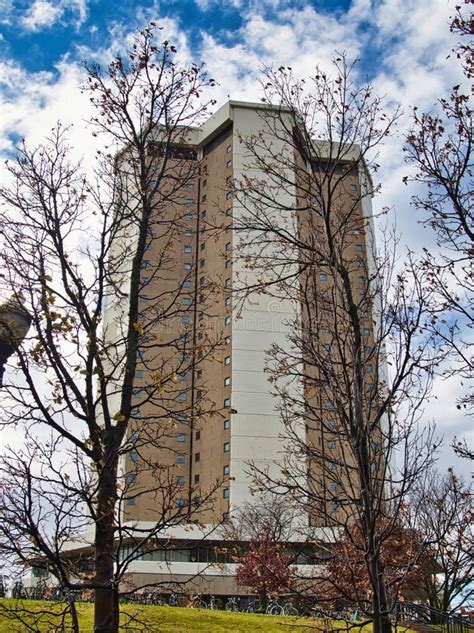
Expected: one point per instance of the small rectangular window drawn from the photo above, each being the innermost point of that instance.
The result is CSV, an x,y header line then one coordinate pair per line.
x,y
228,211
139,373
228,301
196,479
226,382
333,485
181,437
134,456
228,263
180,502
145,263
225,493
227,402
188,234
131,501
361,280
228,164
323,276
203,198
183,376
185,320
180,459
187,266
226,447
226,424
327,347
335,506
228,149
331,443
227,360
201,263
197,457
228,282
189,201
365,331
188,249
188,217
204,183
203,246
227,320
227,340
228,246
198,435
353,187
186,301
329,404
369,369
229,195
180,480
187,283
201,281
182,396
359,248
226,470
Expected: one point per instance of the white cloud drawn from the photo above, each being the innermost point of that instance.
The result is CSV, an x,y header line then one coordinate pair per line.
x,y
41,15
32,103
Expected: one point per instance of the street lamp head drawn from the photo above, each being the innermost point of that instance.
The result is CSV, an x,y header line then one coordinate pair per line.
x,y
15,321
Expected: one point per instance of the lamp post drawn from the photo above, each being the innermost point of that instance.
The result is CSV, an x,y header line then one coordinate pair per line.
x,y
14,325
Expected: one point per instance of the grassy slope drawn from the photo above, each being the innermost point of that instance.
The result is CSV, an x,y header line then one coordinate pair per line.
x,y
167,619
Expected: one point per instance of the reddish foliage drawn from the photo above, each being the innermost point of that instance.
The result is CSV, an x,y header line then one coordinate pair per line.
x,y
265,568
404,567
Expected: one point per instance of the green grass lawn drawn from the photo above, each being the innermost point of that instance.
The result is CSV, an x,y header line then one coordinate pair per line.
x,y
149,619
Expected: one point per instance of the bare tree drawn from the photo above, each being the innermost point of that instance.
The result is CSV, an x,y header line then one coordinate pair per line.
x,y
439,146
102,400
357,365
268,513
441,508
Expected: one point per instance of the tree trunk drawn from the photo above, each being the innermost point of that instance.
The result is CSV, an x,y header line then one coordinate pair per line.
x,y
262,596
106,607
381,622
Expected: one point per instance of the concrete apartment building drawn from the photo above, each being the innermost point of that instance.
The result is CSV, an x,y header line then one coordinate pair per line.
x,y
221,414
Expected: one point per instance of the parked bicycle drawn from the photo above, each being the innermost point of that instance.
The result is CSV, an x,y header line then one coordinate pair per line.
x,y
212,603
289,609
232,604
274,608
173,601
253,606
196,602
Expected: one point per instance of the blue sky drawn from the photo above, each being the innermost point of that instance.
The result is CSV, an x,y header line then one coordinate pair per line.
x,y
403,46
